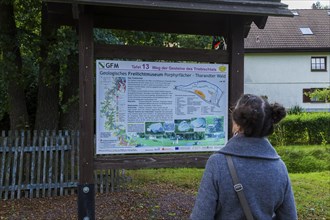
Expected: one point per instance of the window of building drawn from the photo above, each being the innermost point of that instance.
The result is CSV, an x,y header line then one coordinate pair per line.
x,y
295,13
319,63
307,99
306,31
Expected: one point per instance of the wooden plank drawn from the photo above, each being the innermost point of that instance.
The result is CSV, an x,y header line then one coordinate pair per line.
x,y
144,20
119,181
14,168
160,53
86,98
33,161
28,149
112,180
50,163
107,172
86,200
66,161
62,166
8,166
44,166
72,158
27,169
116,178
3,162
56,169
101,180
96,181
151,161
197,27
21,161
152,15
39,164
236,67
236,75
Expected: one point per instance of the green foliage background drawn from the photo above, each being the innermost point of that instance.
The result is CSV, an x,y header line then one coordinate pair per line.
x,y
320,94
303,128
28,19
305,159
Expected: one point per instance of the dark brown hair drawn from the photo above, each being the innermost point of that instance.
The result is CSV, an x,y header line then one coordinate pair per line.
x,y
256,116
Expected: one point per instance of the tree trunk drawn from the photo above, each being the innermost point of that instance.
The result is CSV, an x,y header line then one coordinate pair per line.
x,y
47,116
70,104
12,67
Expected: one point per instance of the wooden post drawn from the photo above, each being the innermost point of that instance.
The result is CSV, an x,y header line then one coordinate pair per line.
x,y
236,68
86,192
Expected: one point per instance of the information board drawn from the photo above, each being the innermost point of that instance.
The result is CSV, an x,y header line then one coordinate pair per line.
x,y
158,107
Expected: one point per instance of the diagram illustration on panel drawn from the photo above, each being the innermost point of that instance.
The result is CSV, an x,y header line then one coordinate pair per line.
x,y
207,91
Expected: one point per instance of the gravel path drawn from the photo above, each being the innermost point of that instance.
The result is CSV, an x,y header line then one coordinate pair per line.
x,y
152,201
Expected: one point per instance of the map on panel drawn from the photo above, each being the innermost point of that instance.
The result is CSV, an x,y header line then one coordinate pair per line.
x,y
207,91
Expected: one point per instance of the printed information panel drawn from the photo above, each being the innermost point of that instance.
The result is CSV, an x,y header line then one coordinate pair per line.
x,y
156,107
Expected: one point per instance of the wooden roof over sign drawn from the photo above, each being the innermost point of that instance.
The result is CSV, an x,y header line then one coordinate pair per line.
x,y
209,17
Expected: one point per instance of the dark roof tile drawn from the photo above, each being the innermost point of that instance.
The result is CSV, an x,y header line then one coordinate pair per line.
x,y
284,32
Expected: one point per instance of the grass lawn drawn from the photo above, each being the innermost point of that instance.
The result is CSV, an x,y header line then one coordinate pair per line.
x,y
309,170
312,190
312,194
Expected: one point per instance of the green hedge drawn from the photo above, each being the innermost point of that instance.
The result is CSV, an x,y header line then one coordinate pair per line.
x,y
304,128
305,159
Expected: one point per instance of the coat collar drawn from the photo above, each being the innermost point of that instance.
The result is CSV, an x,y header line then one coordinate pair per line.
x,y
250,147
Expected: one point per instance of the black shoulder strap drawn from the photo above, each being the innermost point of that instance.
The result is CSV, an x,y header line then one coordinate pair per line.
x,y
239,188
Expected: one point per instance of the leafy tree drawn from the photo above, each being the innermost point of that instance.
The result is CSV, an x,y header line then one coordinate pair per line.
x,y
105,36
193,41
39,64
139,37
318,5
43,75
28,21
161,39
320,94
69,112
11,68
47,115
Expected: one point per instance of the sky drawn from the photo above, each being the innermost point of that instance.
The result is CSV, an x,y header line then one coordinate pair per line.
x,y
304,4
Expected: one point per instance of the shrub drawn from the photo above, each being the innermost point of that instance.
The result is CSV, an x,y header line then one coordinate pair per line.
x,y
304,128
295,110
317,124
305,159
320,94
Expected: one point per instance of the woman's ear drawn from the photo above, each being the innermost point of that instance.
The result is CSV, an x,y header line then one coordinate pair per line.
x,y
235,129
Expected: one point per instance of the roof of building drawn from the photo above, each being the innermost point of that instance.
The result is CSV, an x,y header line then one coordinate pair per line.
x,y
309,29
246,7
209,17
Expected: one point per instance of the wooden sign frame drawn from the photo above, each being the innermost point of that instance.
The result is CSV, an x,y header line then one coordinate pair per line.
x,y
228,18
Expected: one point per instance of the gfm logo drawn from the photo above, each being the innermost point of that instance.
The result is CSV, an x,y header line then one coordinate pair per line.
x,y
108,65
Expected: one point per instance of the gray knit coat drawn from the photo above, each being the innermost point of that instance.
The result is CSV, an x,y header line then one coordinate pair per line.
x,y
263,175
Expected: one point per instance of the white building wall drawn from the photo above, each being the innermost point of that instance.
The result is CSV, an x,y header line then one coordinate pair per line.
x,y
283,76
